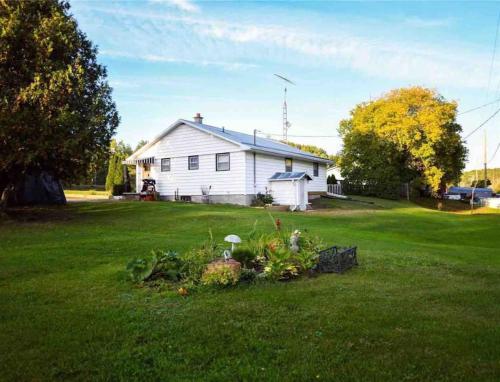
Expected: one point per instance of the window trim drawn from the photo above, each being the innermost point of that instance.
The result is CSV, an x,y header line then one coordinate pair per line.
x,y
189,162
217,161
291,164
169,165
316,169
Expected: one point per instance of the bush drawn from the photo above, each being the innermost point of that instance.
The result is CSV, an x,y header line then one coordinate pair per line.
x,y
248,275
221,274
244,255
261,199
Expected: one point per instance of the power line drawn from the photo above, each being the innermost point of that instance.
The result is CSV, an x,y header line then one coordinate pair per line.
x,y
302,136
482,124
495,153
479,107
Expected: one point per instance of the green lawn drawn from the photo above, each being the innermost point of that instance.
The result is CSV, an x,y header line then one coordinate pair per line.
x,y
424,304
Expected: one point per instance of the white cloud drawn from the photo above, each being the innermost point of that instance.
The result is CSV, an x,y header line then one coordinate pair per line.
x,y
384,59
175,38
183,5
172,59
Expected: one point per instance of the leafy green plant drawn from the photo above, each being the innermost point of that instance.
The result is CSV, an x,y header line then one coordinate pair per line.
x,y
306,259
168,266
141,269
279,265
244,255
195,260
162,264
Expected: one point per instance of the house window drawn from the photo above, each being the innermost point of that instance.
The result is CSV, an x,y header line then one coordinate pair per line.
x,y
222,162
194,162
288,164
165,164
315,169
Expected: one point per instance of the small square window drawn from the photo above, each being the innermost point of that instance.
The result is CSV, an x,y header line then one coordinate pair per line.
x,y
165,164
288,165
315,169
222,162
193,162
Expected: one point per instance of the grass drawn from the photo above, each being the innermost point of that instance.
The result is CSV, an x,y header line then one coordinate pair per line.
x,y
422,305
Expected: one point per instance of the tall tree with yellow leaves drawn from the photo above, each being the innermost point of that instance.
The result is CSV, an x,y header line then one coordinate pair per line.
x,y
409,134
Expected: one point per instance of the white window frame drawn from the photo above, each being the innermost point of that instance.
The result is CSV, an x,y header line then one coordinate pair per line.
x,y
316,169
217,163
291,164
165,167
192,166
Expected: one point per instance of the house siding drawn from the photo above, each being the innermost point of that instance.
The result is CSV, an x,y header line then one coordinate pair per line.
x,y
186,141
233,186
267,166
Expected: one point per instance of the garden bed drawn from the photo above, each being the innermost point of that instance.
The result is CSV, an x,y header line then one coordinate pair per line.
x,y
276,256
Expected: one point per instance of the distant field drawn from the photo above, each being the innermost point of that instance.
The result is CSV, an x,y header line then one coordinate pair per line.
x,y
422,305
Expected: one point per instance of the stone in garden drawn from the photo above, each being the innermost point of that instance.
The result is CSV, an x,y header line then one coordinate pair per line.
x,y
220,267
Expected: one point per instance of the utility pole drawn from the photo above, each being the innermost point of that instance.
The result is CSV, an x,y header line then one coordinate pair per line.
x,y
485,160
286,124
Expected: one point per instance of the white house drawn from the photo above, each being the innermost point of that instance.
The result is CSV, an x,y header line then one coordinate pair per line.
x,y
193,161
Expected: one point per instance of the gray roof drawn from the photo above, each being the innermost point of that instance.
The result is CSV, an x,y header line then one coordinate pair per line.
x,y
289,176
264,145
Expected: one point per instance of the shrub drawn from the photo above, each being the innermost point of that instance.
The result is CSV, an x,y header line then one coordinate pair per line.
x,y
262,199
221,274
248,275
244,255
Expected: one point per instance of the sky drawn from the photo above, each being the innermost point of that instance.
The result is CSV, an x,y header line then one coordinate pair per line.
x,y
170,59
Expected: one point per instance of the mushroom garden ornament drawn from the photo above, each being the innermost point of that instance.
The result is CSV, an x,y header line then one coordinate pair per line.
x,y
233,239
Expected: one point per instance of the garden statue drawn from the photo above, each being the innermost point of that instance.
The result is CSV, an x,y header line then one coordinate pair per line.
x,y
294,241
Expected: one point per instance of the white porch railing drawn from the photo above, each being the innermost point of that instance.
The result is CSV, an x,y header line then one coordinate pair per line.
x,y
334,189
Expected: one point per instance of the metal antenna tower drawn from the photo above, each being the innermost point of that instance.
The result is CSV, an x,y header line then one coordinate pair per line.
x,y
286,123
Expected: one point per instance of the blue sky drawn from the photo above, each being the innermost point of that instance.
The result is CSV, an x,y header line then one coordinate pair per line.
x,y
168,59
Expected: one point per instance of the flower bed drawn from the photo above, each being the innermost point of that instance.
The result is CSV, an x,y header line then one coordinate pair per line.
x,y
276,256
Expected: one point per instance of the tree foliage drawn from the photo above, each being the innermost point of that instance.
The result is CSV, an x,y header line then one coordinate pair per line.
x,y
140,144
119,152
318,151
56,110
409,134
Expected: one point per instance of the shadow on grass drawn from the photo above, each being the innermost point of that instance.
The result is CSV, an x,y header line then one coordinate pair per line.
x,y
27,214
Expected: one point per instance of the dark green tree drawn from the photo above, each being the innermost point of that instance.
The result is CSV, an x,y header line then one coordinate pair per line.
x,y
56,110
118,152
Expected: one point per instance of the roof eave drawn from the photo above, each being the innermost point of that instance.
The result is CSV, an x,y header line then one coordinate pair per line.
x,y
287,154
